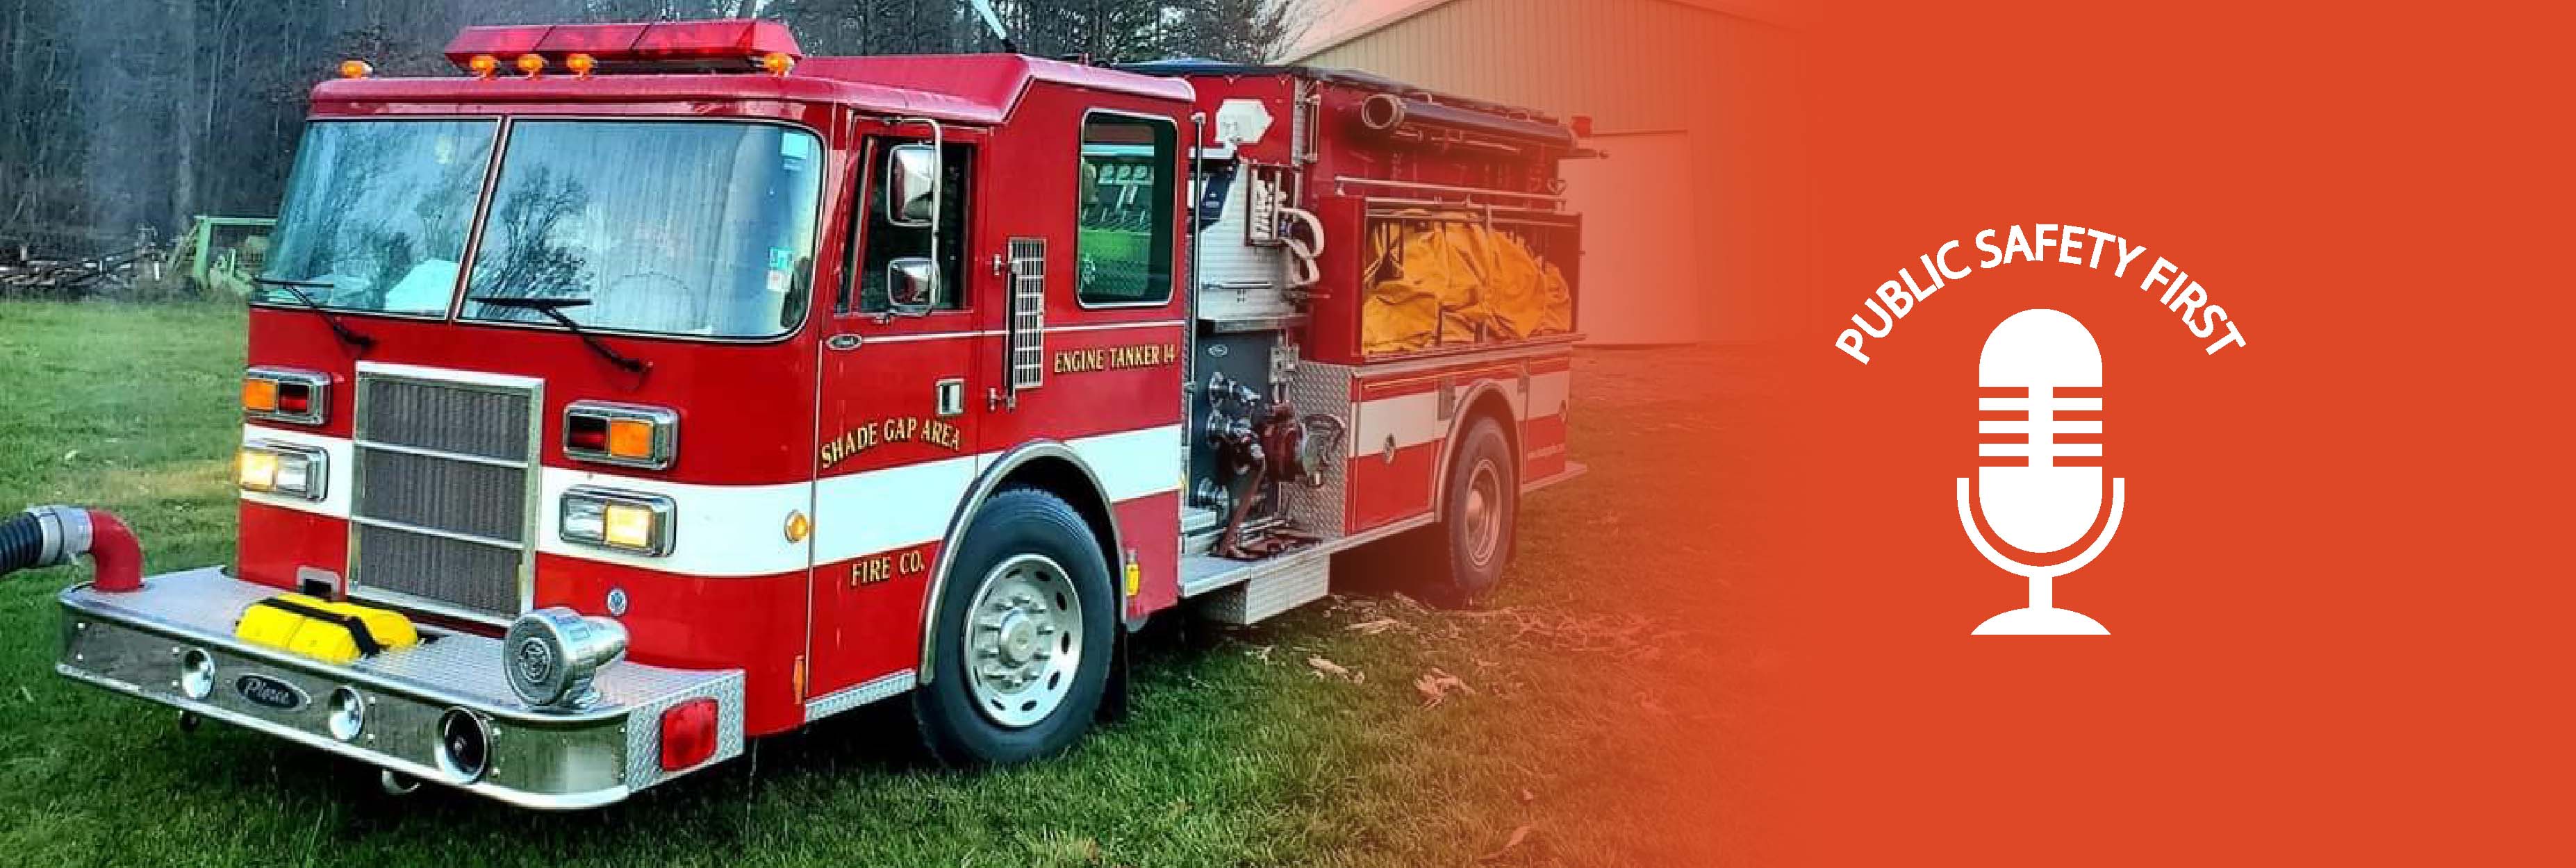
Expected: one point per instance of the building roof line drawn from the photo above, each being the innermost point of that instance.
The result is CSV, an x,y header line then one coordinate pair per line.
x,y
1364,28
1399,13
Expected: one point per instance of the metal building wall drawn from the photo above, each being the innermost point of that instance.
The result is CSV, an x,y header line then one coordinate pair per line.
x,y
1646,68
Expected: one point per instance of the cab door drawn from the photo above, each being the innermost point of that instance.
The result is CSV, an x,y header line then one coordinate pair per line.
x,y
898,403
1094,344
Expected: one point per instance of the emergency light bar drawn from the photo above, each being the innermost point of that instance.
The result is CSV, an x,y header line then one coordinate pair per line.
x,y
738,45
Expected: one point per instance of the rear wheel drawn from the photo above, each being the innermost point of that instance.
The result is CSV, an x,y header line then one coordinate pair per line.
x,y
1025,628
1480,504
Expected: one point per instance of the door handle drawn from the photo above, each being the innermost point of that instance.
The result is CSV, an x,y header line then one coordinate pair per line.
x,y
843,342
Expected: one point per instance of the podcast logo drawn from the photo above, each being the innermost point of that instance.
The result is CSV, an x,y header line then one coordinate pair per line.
x,y
2040,506
2040,372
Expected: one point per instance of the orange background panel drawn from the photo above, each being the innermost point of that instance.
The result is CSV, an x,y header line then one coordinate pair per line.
x,y
2337,602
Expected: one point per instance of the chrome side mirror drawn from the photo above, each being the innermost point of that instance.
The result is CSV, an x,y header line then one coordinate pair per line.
x,y
912,286
912,185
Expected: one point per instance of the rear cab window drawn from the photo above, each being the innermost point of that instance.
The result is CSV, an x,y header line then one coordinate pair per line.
x,y
1124,202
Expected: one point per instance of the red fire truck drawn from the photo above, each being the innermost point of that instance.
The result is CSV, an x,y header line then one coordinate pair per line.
x,y
645,388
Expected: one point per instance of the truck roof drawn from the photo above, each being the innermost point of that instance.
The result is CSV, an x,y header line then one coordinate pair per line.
x,y
1189,66
965,88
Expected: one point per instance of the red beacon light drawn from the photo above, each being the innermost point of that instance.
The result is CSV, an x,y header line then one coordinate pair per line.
x,y
669,46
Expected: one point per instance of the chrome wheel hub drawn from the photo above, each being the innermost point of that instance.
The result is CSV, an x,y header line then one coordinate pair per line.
x,y
1023,641
1483,516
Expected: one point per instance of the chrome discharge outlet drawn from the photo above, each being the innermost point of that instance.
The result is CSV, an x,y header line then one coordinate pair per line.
x,y
552,653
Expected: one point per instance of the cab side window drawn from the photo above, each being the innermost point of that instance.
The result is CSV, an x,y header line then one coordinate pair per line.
x,y
1126,193
882,240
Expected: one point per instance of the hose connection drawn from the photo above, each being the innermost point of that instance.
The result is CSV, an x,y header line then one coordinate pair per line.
x,y
51,536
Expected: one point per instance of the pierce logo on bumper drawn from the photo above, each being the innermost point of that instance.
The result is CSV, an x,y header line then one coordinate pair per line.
x,y
263,690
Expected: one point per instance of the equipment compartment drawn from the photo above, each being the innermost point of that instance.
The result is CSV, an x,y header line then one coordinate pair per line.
x,y
1378,221
1435,278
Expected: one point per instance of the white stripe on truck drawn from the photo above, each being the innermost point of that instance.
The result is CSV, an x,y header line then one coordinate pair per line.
x,y
740,530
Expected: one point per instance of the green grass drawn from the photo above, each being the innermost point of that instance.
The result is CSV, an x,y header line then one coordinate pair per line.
x,y
1597,721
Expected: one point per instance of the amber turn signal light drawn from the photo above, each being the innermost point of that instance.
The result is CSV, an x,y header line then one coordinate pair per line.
x,y
259,396
631,439
286,395
633,435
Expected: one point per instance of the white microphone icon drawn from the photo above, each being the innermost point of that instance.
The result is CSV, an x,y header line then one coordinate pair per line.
x,y
2039,506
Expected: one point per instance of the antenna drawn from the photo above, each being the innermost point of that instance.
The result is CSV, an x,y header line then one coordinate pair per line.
x,y
984,9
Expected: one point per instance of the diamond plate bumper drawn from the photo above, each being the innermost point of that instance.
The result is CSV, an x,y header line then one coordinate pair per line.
x,y
133,643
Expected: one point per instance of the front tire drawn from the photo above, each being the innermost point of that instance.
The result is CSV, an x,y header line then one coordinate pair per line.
x,y
1025,631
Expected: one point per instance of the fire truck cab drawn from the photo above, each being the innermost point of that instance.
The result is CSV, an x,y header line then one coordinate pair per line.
x,y
670,388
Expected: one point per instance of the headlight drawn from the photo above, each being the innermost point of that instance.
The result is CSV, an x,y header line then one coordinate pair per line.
x,y
281,468
550,654
622,520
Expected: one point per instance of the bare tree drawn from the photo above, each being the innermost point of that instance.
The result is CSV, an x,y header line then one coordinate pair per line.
x,y
1242,31
118,113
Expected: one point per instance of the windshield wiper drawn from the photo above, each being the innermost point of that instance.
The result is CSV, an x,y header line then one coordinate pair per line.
x,y
553,308
297,287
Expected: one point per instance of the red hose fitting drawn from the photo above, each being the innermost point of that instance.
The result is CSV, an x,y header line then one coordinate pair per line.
x,y
48,536
114,553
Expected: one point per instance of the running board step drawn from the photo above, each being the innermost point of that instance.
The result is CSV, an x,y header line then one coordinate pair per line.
x,y
1247,593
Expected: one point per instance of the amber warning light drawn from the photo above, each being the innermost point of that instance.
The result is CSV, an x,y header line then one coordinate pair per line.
x,y
670,46
630,434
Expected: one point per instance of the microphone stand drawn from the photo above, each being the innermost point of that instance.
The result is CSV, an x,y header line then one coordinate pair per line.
x,y
2043,617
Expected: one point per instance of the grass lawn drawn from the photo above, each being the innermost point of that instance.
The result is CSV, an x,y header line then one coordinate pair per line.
x,y
1599,725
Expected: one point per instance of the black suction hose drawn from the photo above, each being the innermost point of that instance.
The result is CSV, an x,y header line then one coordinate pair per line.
x,y
22,543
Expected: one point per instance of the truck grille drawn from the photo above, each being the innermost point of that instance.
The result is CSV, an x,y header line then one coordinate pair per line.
x,y
444,490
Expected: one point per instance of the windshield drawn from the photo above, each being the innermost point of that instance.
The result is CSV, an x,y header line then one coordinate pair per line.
x,y
664,227
685,227
377,213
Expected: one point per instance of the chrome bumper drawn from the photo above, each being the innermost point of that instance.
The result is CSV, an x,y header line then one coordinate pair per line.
x,y
133,643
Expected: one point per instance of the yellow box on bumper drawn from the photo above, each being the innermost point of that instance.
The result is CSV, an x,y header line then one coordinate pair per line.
x,y
323,630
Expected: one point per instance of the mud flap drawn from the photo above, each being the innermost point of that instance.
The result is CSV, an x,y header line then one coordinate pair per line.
x,y
1113,697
